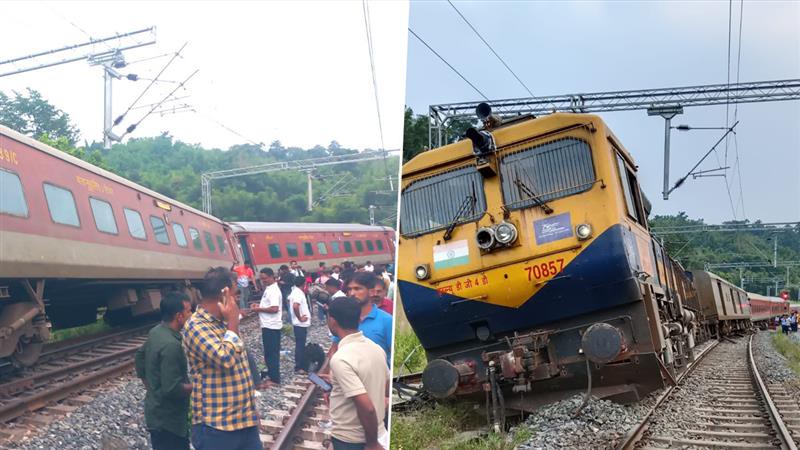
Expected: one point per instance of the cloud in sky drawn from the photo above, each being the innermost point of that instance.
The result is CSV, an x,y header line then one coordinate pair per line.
x,y
297,72
573,47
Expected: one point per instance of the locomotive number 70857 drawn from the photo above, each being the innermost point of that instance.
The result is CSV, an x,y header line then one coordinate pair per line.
x,y
545,269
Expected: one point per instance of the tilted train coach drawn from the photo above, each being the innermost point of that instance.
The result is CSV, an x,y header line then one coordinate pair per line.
x,y
529,267
74,237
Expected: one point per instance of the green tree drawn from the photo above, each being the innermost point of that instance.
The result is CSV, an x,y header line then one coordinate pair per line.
x,y
36,117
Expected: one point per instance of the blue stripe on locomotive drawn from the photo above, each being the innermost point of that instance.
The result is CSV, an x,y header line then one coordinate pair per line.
x,y
599,277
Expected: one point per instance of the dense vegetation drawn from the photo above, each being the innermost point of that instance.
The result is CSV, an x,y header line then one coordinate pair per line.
x,y
173,168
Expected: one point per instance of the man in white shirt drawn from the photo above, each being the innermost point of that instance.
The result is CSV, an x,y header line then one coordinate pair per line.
x,y
301,319
369,267
333,287
269,314
296,270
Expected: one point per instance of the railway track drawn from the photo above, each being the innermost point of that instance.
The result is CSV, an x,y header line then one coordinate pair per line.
x,y
40,394
304,425
721,403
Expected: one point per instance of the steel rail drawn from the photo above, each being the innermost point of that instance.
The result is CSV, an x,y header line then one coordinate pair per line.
x,y
634,435
774,416
37,401
294,423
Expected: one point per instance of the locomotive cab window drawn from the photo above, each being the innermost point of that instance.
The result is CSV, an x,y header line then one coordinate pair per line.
x,y
12,197
370,246
630,189
291,250
103,216
545,172
159,230
321,249
435,202
135,224
61,204
348,247
195,236
335,248
180,236
209,241
274,251
221,244
308,249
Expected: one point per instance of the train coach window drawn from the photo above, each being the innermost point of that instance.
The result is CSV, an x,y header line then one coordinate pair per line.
x,y
359,246
61,204
630,191
12,197
195,236
321,249
370,246
379,243
180,236
103,216
209,241
135,224
159,230
221,244
308,249
335,248
291,250
348,247
432,203
546,172
275,251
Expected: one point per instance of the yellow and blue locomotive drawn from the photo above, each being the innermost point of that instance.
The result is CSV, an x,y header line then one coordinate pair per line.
x,y
526,265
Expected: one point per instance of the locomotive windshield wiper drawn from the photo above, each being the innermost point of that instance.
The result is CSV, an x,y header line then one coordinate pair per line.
x,y
532,196
468,200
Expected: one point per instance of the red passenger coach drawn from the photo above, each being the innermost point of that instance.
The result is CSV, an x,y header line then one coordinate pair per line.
x,y
266,244
765,309
74,237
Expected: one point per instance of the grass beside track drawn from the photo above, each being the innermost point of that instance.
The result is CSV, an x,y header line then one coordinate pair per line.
x,y
789,348
404,343
70,333
448,427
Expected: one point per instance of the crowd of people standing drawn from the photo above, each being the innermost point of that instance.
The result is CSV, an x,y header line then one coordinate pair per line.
x,y
196,359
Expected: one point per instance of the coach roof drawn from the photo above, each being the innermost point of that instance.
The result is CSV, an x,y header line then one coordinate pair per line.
x,y
84,165
272,227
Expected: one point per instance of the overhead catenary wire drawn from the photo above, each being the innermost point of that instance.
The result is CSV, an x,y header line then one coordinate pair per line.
x,y
368,28
157,105
152,82
727,111
683,178
448,64
225,127
736,109
491,48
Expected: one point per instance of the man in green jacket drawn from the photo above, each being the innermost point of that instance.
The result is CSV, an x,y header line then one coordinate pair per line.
x,y
161,364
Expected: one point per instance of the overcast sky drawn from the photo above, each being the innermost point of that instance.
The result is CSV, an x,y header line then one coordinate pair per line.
x,y
298,72
562,48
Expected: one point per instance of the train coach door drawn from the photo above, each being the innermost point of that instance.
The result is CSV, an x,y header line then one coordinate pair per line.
x,y
246,254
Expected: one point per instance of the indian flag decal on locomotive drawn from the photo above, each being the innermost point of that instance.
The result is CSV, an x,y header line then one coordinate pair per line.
x,y
451,255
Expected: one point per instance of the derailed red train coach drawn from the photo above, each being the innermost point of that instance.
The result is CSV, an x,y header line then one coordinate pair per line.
x,y
763,309
74,237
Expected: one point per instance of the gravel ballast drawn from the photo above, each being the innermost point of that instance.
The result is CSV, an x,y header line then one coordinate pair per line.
x,y
115,418
601,425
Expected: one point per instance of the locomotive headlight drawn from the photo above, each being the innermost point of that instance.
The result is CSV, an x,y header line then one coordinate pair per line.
x,y
505,233
422,272
485,239
583,231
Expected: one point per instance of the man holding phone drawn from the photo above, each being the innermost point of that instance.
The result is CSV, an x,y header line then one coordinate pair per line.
x,y
224,411
359,378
